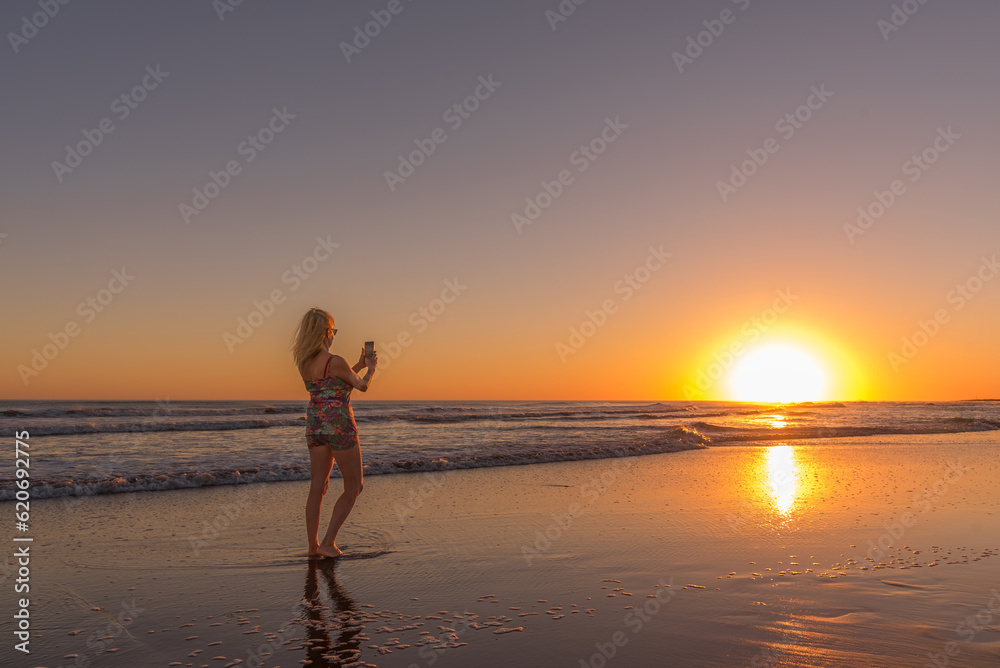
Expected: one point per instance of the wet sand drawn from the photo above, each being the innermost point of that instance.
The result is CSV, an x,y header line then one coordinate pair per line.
x,y
730,556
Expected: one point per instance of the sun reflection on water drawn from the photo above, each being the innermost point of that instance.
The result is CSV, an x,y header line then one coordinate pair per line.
x,y
781,476
776,421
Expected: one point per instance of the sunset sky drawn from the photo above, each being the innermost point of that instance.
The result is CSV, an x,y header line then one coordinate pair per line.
x,y
612,110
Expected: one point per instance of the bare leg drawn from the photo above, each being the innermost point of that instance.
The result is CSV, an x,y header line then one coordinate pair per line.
x,y
349,462
320,465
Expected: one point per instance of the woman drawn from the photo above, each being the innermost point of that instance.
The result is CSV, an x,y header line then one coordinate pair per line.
x,y
331,433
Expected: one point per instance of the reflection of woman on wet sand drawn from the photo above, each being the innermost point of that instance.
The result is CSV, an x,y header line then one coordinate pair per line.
x,y
321,647
331,432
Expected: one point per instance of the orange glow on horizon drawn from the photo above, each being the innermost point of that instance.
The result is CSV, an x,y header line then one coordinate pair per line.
x,y
785,365
778,373
462,357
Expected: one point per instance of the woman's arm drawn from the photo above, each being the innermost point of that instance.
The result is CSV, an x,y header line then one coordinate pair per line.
x,y
339,368
361,363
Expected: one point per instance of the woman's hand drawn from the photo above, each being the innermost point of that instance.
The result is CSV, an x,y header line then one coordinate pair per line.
x,y
372,361
361,361
339,368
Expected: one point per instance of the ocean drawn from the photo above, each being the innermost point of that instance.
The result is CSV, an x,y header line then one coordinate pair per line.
x,y
104,447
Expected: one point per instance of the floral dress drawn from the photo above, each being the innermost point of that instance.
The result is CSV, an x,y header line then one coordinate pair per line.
x,y
329,416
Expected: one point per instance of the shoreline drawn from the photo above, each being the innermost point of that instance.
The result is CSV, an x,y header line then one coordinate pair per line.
x,y
757,543
62,489
198,480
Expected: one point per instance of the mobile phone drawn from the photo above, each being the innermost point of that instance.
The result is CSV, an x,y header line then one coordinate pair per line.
x,y
369,349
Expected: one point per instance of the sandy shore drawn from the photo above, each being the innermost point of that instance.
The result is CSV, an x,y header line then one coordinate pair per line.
x,y
730,556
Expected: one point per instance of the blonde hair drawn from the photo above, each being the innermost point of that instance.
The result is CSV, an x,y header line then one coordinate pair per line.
x,y
313,330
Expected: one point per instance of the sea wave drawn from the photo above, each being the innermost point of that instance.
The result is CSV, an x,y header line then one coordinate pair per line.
x,y
64,429
972,421
708,426
682,439
150,411
737,435
537,420
80,437
45,422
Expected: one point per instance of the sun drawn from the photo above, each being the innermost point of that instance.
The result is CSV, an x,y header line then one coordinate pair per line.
x,y
779,373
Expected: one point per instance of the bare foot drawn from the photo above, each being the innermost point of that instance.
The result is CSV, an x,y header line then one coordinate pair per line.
x,y
330,551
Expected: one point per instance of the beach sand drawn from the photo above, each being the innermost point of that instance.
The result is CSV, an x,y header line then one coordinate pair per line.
x,y
728,556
